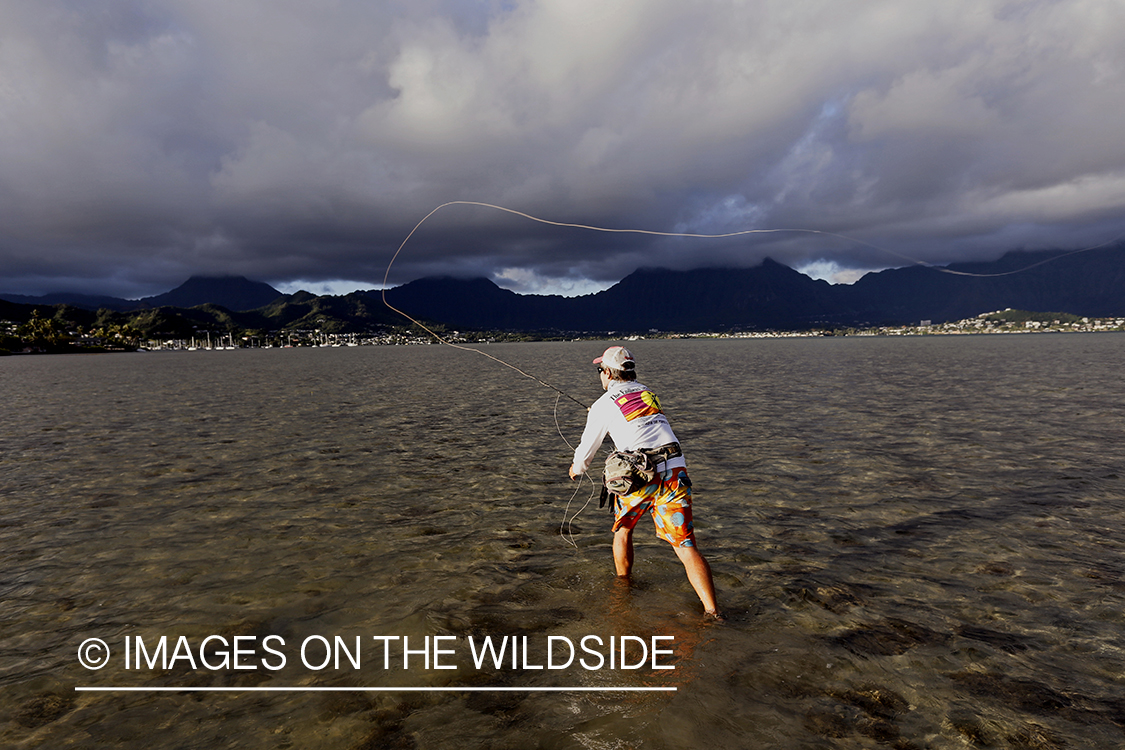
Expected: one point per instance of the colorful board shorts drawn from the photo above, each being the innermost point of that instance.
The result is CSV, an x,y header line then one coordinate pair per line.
x,y
668,496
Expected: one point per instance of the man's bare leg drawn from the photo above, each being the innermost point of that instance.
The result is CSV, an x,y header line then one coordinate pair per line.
x,y
699,575
623,551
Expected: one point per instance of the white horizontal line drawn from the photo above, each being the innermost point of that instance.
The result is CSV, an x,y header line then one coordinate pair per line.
x,y
295,689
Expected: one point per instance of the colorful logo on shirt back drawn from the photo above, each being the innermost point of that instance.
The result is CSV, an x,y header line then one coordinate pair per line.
x,y
638,404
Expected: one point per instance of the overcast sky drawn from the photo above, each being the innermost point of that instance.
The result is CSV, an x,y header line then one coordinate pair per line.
x,y
299,142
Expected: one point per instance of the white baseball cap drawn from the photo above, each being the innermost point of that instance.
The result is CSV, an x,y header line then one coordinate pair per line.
x,y
617,358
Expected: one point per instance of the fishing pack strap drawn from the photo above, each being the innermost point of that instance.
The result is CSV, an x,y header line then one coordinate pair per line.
x,y
664,453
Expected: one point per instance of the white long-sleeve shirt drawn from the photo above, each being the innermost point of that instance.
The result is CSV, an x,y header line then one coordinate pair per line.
x,y
630,414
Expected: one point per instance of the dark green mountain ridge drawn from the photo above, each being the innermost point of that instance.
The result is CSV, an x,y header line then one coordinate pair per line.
x,y
769,296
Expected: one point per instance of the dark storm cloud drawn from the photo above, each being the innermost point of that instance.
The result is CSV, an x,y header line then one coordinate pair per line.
x,y
141,142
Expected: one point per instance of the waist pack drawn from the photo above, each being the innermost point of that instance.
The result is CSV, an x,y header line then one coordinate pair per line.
x,y
628,471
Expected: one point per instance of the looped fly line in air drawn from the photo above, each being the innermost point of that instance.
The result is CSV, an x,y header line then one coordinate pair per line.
x,y
655,233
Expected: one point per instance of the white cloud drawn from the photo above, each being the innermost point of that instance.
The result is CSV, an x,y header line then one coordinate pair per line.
x,y
1088,195
832,272
526,281
319,287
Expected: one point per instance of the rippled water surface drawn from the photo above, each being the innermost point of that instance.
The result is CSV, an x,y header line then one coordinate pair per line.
x,y
918,542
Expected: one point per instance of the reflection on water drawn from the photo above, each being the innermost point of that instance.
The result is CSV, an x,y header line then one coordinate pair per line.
x,y
918,543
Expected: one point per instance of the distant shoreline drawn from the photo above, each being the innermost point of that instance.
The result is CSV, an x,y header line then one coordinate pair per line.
x,y
970,327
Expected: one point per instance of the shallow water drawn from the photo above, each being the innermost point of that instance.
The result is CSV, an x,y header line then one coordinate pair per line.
x,y
918,543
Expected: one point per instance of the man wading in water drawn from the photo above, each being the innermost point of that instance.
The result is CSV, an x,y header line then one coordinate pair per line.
x,y
630,414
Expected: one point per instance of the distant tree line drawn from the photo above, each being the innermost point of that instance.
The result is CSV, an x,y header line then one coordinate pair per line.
x,y
57,334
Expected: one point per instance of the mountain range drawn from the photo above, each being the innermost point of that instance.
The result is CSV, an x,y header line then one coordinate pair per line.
x,y
774,296
768,296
